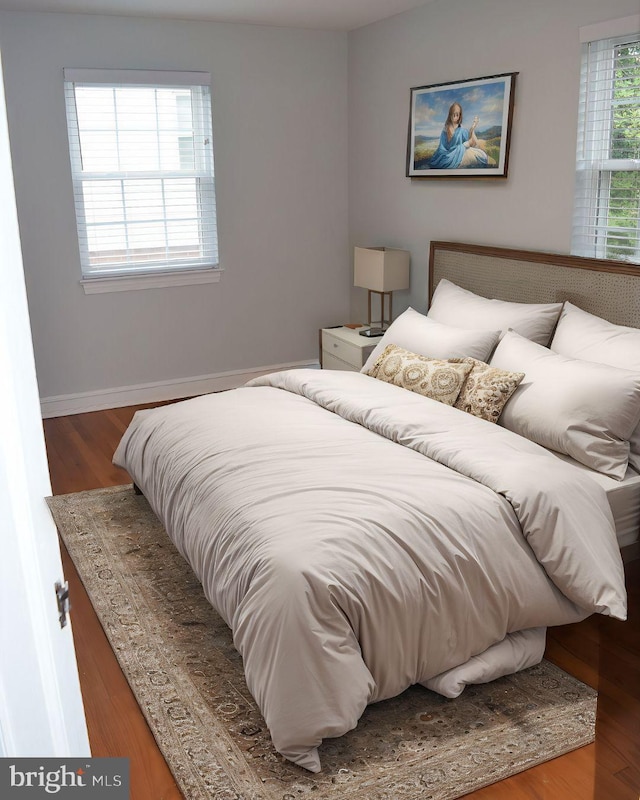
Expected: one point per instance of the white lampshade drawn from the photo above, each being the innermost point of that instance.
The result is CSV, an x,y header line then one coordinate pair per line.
x,y
381,269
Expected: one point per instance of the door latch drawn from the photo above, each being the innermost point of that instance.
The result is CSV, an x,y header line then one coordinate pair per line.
x,y
62,598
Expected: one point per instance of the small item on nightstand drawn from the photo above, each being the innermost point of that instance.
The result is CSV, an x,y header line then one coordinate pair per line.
x,y
353,325
370,333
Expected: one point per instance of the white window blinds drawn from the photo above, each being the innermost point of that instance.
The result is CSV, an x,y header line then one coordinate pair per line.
x,y
143,175
607,193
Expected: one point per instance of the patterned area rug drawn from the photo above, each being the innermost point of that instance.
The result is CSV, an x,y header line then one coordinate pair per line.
x,y
179,659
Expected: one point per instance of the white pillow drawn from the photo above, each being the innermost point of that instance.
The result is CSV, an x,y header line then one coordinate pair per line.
x,y
580,408
583,335
456,306
414,332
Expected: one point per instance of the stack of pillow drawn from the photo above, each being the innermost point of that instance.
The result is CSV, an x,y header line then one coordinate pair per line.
x,y
551,372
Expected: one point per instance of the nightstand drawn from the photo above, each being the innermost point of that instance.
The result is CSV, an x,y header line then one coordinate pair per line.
x,y
344,348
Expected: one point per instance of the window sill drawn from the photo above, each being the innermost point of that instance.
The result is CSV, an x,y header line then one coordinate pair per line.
x,y
134,282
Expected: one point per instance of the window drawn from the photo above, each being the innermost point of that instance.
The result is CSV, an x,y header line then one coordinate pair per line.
x,y
607,195
142,167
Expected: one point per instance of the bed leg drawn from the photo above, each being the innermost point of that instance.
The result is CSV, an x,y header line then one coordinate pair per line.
x,y
136,489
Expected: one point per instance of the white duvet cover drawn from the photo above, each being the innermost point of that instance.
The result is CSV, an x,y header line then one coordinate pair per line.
x,y
359,538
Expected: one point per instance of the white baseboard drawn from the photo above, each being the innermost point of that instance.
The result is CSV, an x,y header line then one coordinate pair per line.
x,y
63,405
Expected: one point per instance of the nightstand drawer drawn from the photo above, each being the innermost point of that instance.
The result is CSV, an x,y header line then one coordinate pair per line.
x,y
344,348
329,361
345,351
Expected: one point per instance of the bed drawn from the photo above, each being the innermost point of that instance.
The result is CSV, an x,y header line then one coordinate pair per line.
x,y
359,536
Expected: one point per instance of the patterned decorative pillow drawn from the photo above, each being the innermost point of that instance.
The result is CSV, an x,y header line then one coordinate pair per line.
x,y
486,390
435,378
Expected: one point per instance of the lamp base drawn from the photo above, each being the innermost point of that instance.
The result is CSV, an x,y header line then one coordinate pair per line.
x,y
383,322
370,333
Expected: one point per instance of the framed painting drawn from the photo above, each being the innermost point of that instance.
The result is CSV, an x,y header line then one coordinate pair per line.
x,y
461,129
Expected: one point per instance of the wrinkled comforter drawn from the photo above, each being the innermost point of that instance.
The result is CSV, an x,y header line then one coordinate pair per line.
x,y
358,538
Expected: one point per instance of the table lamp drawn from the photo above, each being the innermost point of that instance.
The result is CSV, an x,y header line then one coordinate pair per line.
x,y
381,270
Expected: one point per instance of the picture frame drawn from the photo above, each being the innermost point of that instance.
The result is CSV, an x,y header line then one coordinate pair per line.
x,y
461,129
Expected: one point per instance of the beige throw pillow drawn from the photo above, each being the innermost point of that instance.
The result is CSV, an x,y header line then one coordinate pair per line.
x,y
435,378
486,390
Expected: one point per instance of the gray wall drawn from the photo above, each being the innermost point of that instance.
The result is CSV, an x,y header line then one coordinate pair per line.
x,y
310,135
450,40
280,135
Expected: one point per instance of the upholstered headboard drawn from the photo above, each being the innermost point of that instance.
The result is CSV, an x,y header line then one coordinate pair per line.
x,y
610,289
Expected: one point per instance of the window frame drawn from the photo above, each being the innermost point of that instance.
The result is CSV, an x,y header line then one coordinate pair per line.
x,y
148,273
594,171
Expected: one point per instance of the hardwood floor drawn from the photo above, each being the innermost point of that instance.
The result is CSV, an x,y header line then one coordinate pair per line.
x,y
602,652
